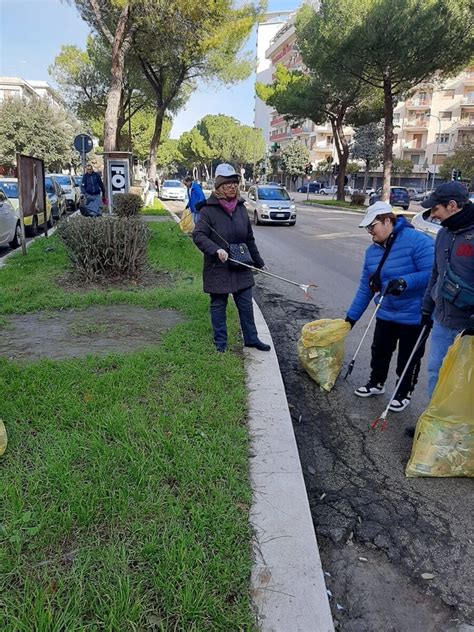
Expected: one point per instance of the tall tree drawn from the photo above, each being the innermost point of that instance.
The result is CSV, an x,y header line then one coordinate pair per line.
x,y
401,167
36,129
115,20
294,159
194,150
179,43
368,146
396,45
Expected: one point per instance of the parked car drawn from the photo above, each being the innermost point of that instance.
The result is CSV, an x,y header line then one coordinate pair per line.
x,y
10,227
274,184
348,190
173,190
32,222
398,197
78,181
422,221
56,197
412,192
268,204
313,187
328,190
71,190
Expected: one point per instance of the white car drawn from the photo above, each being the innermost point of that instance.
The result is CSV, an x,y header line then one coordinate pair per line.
x,y
71,189
173,190
422,221
268,204
328,190
10,228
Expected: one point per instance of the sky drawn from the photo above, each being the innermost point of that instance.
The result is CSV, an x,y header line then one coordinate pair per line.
x,y
33,31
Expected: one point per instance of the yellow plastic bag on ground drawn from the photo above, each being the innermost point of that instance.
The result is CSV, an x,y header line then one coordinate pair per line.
x,y
321,350
444,436
3,438
186,224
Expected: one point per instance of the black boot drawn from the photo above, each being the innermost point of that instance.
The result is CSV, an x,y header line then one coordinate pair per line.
x,y
261,346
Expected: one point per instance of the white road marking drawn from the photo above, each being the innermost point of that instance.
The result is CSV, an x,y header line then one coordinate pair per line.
x,y
337,235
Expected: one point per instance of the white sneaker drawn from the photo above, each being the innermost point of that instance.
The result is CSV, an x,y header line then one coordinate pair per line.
x,y
399,404
369,390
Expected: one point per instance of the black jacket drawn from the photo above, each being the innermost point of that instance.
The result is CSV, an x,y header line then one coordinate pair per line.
x,y
218,277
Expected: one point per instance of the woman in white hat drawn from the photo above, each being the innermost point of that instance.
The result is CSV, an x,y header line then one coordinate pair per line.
x,y
397,265
224,221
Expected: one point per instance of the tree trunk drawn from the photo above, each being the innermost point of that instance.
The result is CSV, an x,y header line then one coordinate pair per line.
x,y
120,123
342,148
366,176
388,138
119,51
155,142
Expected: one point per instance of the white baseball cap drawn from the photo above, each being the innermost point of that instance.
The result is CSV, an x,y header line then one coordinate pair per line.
x,y
226,171
379,208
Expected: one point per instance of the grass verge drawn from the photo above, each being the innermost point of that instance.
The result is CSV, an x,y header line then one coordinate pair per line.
x,y
156,209
338,203
124,487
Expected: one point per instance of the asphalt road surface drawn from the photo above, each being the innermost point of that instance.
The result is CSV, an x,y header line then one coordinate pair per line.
x,y
378,531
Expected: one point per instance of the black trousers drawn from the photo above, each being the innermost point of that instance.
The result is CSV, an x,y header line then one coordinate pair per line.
x,y
386,337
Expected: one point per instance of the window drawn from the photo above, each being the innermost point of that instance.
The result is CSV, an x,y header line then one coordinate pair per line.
x,y
395,138
439,159
446,116
442,138
415,159
448,94
396,118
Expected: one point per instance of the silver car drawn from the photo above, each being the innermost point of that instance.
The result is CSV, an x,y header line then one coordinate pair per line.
x,y
10,230
270,205
422,221
173,190
71,190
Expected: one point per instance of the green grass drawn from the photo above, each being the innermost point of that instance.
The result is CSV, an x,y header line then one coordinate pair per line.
x,y
124,487
156,209
353,207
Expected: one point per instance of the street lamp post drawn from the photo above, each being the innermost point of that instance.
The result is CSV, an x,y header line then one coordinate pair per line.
x,y
437,148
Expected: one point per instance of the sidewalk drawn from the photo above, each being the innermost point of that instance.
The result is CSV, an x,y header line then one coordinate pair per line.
x,y
287,585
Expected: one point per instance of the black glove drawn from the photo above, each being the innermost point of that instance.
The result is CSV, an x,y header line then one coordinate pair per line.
x,y
426,320
396,287
351,321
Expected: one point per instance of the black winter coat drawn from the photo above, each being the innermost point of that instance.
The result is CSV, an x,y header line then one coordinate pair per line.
x,y
218,277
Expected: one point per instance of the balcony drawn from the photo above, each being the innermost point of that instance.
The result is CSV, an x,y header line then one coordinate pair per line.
x,y
414,146
419,103
466,122
467,100
277,120
417,123
279,136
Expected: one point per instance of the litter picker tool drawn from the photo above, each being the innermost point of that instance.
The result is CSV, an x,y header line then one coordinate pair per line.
x,y
382,420
303,286
352,362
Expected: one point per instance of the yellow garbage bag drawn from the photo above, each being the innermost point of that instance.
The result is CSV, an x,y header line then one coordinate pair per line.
x,y
3,438
321,350
187,224
444,436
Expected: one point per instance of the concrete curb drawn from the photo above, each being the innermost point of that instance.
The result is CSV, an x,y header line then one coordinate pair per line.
x,y
288,588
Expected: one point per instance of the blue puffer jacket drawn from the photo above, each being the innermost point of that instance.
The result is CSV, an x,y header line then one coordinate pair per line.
x,y
411,259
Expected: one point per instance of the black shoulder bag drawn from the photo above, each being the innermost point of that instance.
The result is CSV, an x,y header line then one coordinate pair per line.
x,y
375,281
238,253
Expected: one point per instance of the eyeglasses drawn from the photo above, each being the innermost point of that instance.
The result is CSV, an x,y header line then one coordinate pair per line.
x,y
370,227
230,184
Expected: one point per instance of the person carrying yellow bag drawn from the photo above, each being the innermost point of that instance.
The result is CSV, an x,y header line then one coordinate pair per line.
x,y
444,435
186,224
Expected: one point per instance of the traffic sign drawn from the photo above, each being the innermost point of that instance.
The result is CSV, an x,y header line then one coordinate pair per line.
x,y
83,143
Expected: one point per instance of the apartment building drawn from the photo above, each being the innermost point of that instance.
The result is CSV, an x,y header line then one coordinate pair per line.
x,y
428,125
18,88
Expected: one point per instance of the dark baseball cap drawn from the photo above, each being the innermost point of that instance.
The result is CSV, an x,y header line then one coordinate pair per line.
x,y
446,192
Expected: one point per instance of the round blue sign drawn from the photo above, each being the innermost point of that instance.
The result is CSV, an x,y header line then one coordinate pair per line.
x,y
83,143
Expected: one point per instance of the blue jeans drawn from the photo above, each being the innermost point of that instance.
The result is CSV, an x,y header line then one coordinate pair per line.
x,y
196,216
441,339
243,300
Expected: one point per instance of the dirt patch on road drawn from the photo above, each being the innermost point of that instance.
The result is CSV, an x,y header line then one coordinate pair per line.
x,y
75,333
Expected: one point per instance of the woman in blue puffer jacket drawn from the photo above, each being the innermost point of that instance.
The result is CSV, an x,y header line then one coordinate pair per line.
x,y
403,279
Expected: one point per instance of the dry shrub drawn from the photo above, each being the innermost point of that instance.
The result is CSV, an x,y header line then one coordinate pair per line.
x,y
106,248
127,204
358,198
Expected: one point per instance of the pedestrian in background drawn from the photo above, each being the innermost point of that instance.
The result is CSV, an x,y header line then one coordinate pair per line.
x,y
402,276
195,195
151,193
93,189
449,298
224,221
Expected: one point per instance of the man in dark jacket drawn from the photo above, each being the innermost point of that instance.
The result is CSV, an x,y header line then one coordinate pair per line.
x,y
449,298
93,189
225,221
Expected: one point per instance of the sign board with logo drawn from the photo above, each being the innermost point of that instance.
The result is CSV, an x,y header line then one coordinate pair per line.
x,y
118,176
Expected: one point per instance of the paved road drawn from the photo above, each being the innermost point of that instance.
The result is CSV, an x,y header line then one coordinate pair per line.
x,y
363,506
